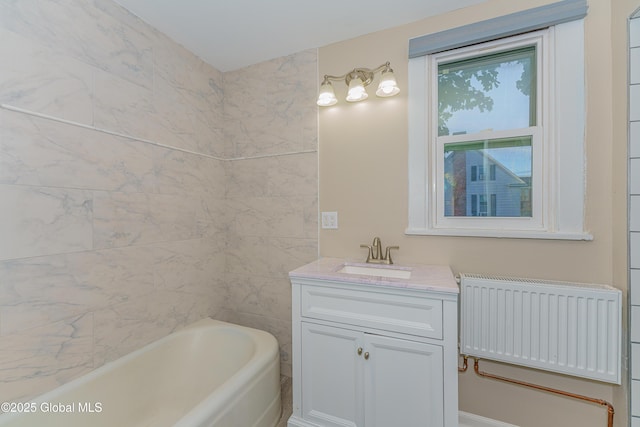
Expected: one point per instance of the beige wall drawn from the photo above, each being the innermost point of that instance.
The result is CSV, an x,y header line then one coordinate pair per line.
x,y
363,176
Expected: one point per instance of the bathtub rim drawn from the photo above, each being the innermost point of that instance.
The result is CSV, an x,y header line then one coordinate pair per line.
x,y
211,408
266,349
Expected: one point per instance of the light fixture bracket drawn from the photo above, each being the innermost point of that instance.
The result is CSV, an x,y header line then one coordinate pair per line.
x,y
365,74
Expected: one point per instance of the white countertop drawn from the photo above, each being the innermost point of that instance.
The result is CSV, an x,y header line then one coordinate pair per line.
x,y
437,278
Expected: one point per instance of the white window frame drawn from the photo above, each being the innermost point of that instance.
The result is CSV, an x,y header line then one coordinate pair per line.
x,y
558,188
539,139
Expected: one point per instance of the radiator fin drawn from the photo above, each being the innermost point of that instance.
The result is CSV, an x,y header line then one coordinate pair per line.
x,y
570,328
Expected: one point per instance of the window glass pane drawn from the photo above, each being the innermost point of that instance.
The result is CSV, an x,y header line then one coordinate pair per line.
x,y
490,92
505,191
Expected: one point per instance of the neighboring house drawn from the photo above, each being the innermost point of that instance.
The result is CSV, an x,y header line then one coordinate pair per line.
x,y
482,186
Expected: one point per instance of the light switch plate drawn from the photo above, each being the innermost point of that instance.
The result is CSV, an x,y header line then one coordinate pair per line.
x,y
329,220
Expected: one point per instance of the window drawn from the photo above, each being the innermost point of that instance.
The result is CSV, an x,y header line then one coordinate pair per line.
x,y
491,94
487,145
482,211
488,102
494,205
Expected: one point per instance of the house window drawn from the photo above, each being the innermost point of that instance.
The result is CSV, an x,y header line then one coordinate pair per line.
x,y
509,161
487,107
494,205
489,138
482,209
474,205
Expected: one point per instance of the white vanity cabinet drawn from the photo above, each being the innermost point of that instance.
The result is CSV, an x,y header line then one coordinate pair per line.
x,y
372,351
357,379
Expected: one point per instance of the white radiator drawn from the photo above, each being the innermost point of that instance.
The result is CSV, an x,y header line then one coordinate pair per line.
x,y
570,328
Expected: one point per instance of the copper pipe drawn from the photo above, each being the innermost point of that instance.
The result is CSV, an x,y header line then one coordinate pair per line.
x,y
601,402
465,365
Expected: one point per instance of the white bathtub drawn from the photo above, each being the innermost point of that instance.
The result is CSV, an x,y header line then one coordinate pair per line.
x,y
211,373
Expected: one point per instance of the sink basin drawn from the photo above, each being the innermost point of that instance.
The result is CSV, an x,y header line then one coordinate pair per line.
x,y
376,271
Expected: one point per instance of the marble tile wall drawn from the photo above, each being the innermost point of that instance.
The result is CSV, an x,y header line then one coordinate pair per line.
x,y
272,195
141,189
270,107
112,190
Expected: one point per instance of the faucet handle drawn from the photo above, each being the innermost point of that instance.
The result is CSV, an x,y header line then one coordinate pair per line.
x,y
370,254
387,255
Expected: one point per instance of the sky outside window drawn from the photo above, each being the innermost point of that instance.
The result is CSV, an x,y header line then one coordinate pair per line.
x,y
490,92
493,92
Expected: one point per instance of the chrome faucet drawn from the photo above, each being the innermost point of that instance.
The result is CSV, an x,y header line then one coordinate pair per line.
x,y
375,252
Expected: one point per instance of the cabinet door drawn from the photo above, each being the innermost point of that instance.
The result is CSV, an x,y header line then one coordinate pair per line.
x,y
332,376
403,383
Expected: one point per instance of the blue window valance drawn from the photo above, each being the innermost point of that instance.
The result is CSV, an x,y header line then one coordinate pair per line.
x,y
502,26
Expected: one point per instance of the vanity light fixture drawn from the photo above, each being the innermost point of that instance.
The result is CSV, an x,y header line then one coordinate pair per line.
x,y
356,80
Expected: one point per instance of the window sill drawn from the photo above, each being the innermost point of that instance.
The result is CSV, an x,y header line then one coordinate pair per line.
x,y
500,234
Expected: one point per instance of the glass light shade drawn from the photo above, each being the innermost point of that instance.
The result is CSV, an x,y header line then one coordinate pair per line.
x,y
388,85
356,91
327,96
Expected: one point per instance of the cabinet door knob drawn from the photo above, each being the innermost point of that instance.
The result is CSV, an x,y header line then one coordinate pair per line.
x,y
359,351
366,355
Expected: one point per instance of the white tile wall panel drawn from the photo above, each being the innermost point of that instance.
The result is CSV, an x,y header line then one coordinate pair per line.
x,y
634,139
635,361
634,33
634,102
634,213
635,332
634,244
634,176
634,217
634,64
635,287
